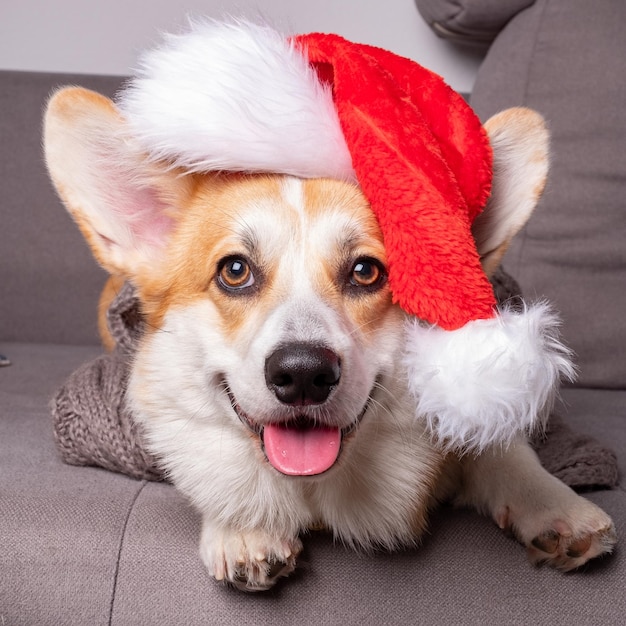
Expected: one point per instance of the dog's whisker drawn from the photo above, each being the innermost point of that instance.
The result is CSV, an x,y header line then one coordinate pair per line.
x,y
400,425
356,329
361,326
238,219
156,329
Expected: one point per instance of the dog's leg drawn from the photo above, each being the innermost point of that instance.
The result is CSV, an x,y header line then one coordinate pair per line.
x,y
251,560
555,524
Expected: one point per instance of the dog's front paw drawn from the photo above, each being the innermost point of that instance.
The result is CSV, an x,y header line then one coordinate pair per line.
x,y
566,546
567,537
251,561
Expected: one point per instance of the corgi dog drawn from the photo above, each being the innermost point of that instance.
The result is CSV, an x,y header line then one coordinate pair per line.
x,y
269,382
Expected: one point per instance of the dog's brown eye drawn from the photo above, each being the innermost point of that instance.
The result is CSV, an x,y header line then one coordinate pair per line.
x,y
367,272
235,273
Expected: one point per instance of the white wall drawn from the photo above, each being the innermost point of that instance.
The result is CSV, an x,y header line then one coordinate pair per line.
x,y
104,36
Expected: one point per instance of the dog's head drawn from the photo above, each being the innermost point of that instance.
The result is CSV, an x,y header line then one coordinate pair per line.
x,y
266,301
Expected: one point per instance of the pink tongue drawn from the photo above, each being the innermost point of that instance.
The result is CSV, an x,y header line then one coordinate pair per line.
x,y
301,451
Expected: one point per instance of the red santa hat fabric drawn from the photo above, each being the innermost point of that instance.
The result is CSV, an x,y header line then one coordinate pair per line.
x,y
423,161
243,97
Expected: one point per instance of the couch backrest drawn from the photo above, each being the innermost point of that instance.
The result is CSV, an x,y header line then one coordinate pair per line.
x,y
49,282
567,59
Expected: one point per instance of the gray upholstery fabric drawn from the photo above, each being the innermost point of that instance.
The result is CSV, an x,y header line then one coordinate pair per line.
x,y
59,531
469,21
86,546
46,269
600,413
568,61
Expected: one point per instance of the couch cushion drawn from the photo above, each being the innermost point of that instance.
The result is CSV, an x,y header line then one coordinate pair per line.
x,y
567,59
85,546
600,413
469,21
60,530
49,281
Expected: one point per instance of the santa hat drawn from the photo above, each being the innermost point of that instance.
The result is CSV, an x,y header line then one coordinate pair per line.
x,y
242,97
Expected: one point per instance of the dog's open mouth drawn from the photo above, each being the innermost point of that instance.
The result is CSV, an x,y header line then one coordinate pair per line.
x,y
300,446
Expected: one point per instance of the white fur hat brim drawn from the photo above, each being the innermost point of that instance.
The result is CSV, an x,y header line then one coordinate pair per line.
x,y
488,381
237,97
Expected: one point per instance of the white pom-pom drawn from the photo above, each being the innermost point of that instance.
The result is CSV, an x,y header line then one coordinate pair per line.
x,y
488,381
238,97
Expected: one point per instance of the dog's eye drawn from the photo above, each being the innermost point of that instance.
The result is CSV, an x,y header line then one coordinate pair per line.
x,y
367,272
235,273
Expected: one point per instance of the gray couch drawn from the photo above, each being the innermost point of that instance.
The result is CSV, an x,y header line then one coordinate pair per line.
x,y
83,546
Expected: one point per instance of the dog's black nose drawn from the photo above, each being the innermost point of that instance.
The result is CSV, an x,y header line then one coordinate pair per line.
x,y
302,374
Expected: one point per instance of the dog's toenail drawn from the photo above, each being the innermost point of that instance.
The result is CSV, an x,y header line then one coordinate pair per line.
x,y
275,569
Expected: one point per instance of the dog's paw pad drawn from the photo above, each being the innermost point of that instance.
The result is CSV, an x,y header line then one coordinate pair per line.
x,y
567,548
547,542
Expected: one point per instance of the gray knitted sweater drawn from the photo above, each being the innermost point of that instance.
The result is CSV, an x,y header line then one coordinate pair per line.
x,y
92,425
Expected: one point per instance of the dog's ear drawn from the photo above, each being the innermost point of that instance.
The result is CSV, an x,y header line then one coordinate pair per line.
x,y
519,139
123,203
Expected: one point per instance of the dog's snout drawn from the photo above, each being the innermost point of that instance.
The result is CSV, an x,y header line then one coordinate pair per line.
x,y
302,374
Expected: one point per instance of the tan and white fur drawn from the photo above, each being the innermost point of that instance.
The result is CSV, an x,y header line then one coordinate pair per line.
x,y
229,269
